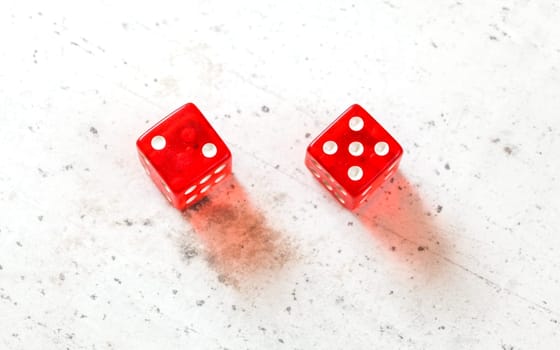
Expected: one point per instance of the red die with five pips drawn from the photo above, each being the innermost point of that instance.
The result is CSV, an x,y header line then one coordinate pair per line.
x,y
353,156
184,156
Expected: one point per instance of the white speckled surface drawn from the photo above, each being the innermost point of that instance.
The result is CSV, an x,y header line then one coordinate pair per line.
x,y
461,251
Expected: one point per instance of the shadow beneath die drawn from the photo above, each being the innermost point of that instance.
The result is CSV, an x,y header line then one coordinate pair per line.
x,y
240,245
397,217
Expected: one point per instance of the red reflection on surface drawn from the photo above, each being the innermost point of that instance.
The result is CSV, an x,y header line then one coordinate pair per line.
x,y
239,242
397,217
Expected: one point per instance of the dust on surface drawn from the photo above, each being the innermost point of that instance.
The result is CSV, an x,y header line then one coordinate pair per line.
x,y
238,241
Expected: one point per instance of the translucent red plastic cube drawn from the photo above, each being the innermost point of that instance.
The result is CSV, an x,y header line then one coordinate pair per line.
x,y
353,156
184,156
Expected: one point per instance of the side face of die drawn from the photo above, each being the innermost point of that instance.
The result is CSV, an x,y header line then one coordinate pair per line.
x,y
184,156
353,156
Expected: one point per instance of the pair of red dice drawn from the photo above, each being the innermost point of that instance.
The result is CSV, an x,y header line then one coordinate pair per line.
x,y
185,157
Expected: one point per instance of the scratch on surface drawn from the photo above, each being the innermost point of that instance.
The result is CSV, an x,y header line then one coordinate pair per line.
x,y
267,164
497,287
143,98
73,43
260,88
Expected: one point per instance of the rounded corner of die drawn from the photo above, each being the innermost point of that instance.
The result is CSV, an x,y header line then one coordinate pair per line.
x,y
309,155
140,144
354,108
183,110
192,108
179,206
226,154
189,105
399,150
355,105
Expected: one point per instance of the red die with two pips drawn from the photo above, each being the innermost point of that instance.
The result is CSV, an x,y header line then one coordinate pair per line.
x,y
184,156
353,156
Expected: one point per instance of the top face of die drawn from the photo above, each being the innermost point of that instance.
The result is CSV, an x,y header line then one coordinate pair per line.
x,y
355,149
183,147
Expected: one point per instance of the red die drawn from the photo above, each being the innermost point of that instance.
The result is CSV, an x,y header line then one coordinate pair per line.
x,y
184,156
353,156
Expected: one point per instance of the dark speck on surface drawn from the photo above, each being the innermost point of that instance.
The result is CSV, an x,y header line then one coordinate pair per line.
x,y
61,276
147,222
68,167
496,140
447,167
265,109
492,37
117,280
1,268
128,222
280,340
393,248
307,135
200,302
439,209
42,172
93,130
40,217
421,249
174,291
19,244
190,252
508,150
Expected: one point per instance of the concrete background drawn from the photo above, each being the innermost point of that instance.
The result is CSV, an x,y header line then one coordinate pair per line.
x,y
460,250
